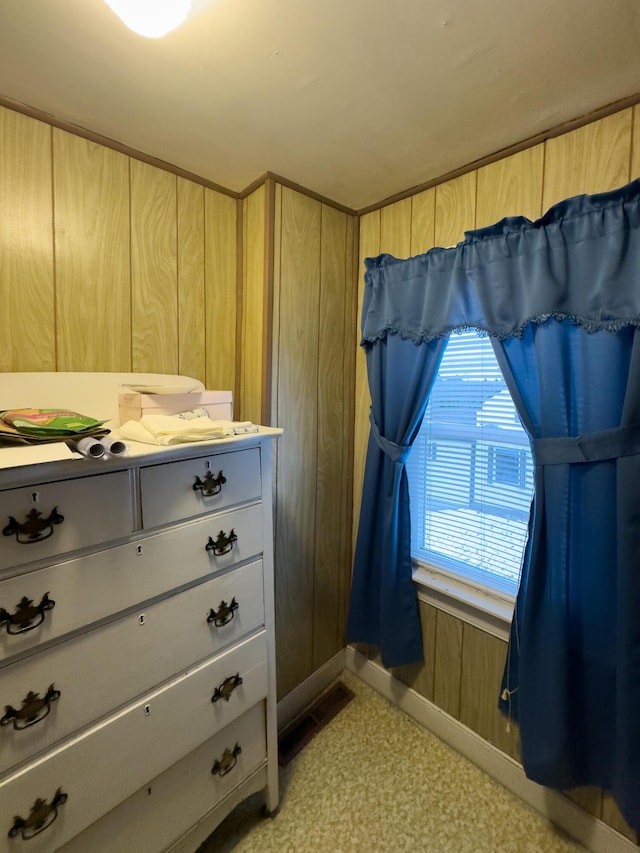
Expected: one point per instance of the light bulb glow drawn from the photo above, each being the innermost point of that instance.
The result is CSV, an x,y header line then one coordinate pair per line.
x,y
151,18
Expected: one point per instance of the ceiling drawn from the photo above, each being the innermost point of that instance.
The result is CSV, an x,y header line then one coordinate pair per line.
x,y
356,100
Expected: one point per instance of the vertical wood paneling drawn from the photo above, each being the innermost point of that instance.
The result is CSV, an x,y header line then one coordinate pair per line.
x,y
592,159
69,270
221,246
635,146
448,663
332,439
423,221
395,229
421,676
275,330
455,209
154,274
275,351
91,194
369,247
27,324
510,187
588,798
299,300
269,297
483,658
611,816
191,301
349,373
254,284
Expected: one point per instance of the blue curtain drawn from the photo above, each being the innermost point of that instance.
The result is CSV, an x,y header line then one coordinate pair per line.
x,y
561,299
383,607
570,679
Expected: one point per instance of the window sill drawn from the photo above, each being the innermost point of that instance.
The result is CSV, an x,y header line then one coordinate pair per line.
x,y
479,606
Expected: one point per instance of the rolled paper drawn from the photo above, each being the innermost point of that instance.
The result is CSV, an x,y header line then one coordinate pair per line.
x,y
90,447
115,446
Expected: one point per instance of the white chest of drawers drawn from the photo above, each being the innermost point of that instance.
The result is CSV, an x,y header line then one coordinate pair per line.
x,y
137,669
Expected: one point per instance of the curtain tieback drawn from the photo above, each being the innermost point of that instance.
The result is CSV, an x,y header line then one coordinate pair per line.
x,y
590,447
395,452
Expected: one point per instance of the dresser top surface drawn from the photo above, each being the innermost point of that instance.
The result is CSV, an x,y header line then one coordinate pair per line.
x,y
95,394
24,465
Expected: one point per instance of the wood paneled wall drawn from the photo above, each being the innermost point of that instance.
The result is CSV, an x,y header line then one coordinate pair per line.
x,y
256,297
27,294
463,666
311,399
108,263
298,313
111,264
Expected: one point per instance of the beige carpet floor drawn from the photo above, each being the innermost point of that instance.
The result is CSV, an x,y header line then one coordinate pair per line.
x,y
373,780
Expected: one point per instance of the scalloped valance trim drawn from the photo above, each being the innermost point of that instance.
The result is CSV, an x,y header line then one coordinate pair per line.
x,y
423,337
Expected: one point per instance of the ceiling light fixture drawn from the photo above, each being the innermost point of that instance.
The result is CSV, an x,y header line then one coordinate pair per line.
x,y
151,18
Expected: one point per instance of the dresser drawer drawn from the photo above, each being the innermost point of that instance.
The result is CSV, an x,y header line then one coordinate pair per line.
x,y
91,588
87,677
180,490
50,519
110,762
169,805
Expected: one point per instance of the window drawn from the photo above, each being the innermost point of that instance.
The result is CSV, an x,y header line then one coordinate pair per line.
x,y
470,472
507,465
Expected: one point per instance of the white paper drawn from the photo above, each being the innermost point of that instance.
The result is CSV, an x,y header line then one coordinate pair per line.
x,y
33,454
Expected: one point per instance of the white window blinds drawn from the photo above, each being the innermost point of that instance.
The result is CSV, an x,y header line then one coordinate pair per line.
x,y
470,471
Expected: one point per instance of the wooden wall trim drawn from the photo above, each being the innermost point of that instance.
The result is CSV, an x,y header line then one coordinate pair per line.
x,y
349,520
530,142
92,136
54,269
254,185
558,130
298,188
237,393
267,337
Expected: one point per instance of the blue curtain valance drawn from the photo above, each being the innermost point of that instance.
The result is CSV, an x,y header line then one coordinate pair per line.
x,y
502,278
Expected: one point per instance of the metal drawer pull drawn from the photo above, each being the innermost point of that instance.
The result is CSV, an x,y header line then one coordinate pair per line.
x,y
211,485
35,528
34,709
223,543
227,687
27,616
41,816
224,765
225,613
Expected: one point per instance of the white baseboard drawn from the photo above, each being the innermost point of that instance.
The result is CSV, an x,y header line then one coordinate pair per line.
x,y
295,702
586,829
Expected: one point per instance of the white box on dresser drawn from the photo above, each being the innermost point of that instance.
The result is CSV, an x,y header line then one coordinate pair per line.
x,y
137,652
217,404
